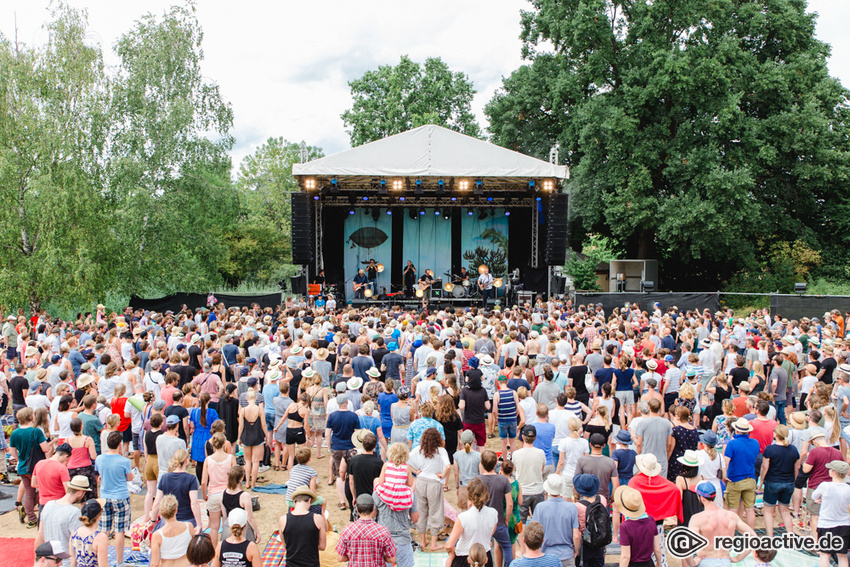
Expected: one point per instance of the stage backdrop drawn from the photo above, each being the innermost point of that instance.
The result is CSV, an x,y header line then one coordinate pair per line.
x,y
365,239
428,243
485,241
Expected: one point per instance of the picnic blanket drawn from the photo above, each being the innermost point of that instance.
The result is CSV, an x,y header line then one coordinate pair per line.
x,y
131,557
270,489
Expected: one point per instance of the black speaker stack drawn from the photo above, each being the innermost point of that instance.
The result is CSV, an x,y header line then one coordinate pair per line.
x,y
302,228
556,230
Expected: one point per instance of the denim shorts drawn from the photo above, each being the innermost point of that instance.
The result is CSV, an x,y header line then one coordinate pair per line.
x,y
270,421
507,430
781,491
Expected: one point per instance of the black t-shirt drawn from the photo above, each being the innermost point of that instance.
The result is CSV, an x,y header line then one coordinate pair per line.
x,y
186,373
365,469
498,485
739,374
180,485
604,376
378,355
473,373
577,375
150,441
828,365
79,395
294,383
474,411
18,385
782,461
194,352
180,412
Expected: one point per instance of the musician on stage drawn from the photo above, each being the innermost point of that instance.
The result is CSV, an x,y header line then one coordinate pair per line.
x,y
464,275
320,279
425,285
372,275
360,283
409,278
485,284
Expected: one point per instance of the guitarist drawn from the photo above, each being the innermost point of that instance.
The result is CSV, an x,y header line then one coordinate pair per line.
x,y
425,282
360,283
485,284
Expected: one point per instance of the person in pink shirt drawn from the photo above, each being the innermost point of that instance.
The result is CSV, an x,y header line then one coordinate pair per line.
x,y
167,393
50,475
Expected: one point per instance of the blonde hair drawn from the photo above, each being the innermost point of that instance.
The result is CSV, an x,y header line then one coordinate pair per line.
x,y
758,369
369,407
522,392
686,391
728,408
398,453
831,416
168,506
575,427
602,412
113,420
781,433
477,555
180,457
251,396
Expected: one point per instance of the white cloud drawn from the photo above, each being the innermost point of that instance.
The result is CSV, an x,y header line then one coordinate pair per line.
x,y
285,65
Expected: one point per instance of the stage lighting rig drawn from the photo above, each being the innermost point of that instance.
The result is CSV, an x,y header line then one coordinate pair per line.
x,y
479,187
412,214
334,185
398,184
440,187
482,214
310,183
548,185
463,185
376,212
418,190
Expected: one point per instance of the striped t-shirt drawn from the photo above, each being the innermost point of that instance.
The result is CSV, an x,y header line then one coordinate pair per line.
x,y
299,476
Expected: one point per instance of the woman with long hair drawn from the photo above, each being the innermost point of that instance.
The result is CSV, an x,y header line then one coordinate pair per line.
x,y
778,468
82,457
758,380
214,481
475,525
169,542
430,463
402,415
297,428
572,448
687,481
832,425
183,486
252,434
448,417
200,420
234,497
317,419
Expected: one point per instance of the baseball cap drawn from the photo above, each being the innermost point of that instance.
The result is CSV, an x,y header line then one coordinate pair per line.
x,y
529,433
431,371
597,440
159,405
172,420
252,381
51,548
237,517
706,490
668,358
91,509
55,358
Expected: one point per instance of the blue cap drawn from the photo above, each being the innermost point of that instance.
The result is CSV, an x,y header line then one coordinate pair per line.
x,y
55,358
251,360
706,490
392,346
430,371
668,358
473,362
172,420
623,436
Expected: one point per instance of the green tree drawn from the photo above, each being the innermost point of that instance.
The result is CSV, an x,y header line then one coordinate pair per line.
x,y
55,241
394,99
691,128
582,268
260,243
168,163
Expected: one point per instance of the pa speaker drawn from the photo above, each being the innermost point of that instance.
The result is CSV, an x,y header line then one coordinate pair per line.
x,y
556,230
302,228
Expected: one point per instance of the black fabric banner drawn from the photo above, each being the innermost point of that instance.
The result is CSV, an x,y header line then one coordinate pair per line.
x,y
175,302
799,306
684,301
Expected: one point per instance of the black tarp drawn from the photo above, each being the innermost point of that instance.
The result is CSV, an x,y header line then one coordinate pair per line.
x,y
176,301
799,306
683,301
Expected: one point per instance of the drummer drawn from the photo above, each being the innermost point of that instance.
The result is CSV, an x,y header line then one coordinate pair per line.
x,y
463,278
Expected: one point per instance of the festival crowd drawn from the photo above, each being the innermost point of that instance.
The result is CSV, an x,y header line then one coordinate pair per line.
x,y
564,432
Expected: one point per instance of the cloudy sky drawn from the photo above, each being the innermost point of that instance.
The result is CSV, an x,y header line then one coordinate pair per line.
x,y
284,66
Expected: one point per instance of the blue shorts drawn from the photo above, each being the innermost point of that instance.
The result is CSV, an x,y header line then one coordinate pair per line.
x,y
403,556
778,491
269,421
507,430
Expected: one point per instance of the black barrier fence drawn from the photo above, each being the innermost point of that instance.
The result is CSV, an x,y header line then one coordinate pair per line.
x,y
176,301
799,306
684,301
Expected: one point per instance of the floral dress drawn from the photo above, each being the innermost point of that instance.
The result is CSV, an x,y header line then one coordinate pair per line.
x,y
82,548
318,415
514,519
723,435
685,439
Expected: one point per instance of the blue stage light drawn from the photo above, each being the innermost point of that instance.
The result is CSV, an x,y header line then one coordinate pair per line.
x,y
421,212
437,212
538,199
507,213
315,197
401,199
453,199
365,198
489,198
389,212
469,213
350,211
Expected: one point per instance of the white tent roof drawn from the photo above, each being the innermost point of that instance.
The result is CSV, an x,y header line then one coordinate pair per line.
x,y
430,151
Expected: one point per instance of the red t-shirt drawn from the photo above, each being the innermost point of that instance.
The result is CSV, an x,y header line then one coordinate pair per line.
x,y
819,457
740,404
167,395
50,475
762,432
661,497
119,406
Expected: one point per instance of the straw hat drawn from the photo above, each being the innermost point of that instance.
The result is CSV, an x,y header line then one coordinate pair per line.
x,y
79,482
742,425
359,437
304,490
296,349
648,464
797,420
691,459
651,364
629,501
322,354
486,360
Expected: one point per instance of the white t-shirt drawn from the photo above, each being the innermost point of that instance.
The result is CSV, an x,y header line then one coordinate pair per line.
x,y
529,408
572,449
834,500
423,389
429,467
529,462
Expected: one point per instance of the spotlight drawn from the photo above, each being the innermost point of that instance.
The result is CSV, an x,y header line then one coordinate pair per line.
x,y
389,211
538,199
310,183
412,214
531,185
350,211
507,213
398,184
315,197
366,211
497,282
376,212
469,212
421,211
440,187
334,185
479,187
382,188
365,198
418,190
448,286
453,199
463,184
401,199
447,214
489,199
420,293
436,212
548,185
367,292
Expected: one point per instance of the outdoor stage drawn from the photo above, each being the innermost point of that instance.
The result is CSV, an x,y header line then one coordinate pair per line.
x,y
436,198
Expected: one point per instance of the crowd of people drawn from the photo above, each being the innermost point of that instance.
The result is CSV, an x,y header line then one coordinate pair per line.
x,y
561,430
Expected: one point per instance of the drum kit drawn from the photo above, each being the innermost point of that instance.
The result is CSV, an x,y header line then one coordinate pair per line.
x,y
460,288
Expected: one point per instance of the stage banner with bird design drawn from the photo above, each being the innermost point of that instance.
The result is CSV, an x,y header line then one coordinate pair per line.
x,y
484,240
366,239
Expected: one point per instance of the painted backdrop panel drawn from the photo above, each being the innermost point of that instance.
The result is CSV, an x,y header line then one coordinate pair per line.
x,y
485,241
365,239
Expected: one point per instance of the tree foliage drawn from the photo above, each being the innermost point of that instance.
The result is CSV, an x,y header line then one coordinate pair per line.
x,y
582,268
394,99
692,129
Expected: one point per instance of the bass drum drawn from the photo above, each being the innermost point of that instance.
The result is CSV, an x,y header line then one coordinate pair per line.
x,y
459,291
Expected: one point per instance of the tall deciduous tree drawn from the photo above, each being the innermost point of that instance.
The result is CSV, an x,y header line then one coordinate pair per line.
x,y
394,99
169,168
692,128
54,237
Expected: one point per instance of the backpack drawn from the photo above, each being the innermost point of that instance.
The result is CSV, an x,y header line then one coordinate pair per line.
x,y
597,524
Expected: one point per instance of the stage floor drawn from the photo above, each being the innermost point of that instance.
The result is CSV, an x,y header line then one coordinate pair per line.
x,y
407,303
